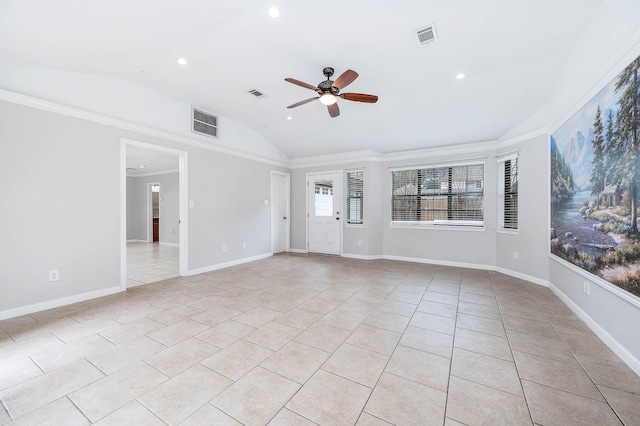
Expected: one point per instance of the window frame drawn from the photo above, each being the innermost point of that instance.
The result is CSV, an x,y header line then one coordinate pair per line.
x,y
450,194
502,192
348,221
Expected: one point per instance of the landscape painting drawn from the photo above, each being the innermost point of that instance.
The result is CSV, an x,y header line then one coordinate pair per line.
x,y
595,184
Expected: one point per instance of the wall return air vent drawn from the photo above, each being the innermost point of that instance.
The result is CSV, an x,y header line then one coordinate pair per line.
x,y
427,35
204,123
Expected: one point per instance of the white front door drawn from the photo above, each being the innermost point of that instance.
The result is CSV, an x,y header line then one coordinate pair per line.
x,y
324,196
279,212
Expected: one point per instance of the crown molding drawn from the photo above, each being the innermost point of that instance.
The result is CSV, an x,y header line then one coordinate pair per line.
x,y
29,101
606,73
506,143
332,159
374,156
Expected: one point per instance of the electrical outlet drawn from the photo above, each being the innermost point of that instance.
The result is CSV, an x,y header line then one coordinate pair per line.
x,y
224,249
54,275
360,243
515,255
244,245
585,287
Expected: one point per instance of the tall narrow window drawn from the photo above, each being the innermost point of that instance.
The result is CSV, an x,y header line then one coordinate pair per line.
x,y
508,192
448,195
355,188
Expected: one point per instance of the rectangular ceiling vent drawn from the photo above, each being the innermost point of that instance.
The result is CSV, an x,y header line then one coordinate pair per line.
x,y
204,123
427,35
256,93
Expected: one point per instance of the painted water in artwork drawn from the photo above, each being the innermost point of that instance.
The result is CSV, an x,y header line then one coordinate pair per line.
x,y
595,184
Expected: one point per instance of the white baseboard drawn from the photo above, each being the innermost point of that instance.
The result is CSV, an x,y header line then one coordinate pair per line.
x,y
227,264
56,303
362,256
522,276
298,251
619,350
170,244
136,241
440,262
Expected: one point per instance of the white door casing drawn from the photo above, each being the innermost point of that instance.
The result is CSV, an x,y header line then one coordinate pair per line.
x,y
324,213
280,212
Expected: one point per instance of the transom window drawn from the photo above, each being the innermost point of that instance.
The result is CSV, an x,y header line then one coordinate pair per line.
x,y
446,195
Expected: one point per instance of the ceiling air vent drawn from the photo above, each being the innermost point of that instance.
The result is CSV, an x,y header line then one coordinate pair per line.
x,y
256,93
427,35
204,123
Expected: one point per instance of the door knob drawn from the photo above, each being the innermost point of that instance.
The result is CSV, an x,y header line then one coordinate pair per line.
x,y
285,217
337,218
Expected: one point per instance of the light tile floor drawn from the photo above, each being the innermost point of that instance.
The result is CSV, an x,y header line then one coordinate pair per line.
x,y
151,262
304,339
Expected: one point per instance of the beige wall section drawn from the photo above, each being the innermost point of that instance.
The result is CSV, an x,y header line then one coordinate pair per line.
x,y
61,206
465,246
369,233
137,188
531,242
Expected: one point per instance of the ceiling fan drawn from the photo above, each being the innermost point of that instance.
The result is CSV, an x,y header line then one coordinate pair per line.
x,y
329,91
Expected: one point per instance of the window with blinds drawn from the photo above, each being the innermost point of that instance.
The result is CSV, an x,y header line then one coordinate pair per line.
x,y
451,195
508,193
355,189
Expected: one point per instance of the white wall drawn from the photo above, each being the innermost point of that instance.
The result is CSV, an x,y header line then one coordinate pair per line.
x,y
61,207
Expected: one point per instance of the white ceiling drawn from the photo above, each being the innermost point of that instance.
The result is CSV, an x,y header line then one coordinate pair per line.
x,y
154,161
512,52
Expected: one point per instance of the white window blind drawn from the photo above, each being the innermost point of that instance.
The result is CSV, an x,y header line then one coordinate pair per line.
x,y
355,190
451,195
508,193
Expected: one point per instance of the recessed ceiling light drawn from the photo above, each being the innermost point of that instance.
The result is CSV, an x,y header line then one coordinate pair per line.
x,y
182,61
142,166
289,117
460,76
274,12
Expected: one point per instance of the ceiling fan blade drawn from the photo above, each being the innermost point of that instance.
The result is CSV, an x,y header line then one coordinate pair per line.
x,y
345,79
297,104
334,110
301,83
359,97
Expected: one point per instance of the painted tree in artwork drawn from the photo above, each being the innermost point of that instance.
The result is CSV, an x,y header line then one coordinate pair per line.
x,y
628,129
599,164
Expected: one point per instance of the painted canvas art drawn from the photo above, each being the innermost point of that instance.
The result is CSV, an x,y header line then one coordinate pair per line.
x,y
595,184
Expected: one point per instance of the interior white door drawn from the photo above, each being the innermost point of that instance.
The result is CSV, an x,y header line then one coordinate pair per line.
x,y
279,212
324,195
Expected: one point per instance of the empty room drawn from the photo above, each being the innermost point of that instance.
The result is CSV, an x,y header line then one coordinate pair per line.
x,y
335,213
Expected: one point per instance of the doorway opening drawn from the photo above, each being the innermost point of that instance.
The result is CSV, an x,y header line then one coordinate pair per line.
x,y
153,213
324,207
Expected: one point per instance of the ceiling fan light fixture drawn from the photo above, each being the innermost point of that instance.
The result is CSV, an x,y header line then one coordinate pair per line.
x,y
328,99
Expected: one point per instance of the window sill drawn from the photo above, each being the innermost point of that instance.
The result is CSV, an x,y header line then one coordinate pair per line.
x,y
466,228
508,231
354,225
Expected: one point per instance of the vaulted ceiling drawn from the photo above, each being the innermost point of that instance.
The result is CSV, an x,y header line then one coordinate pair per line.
x,y
511,52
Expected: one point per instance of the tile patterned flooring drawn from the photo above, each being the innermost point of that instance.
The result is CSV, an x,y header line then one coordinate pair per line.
x,y
151,262
303,339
